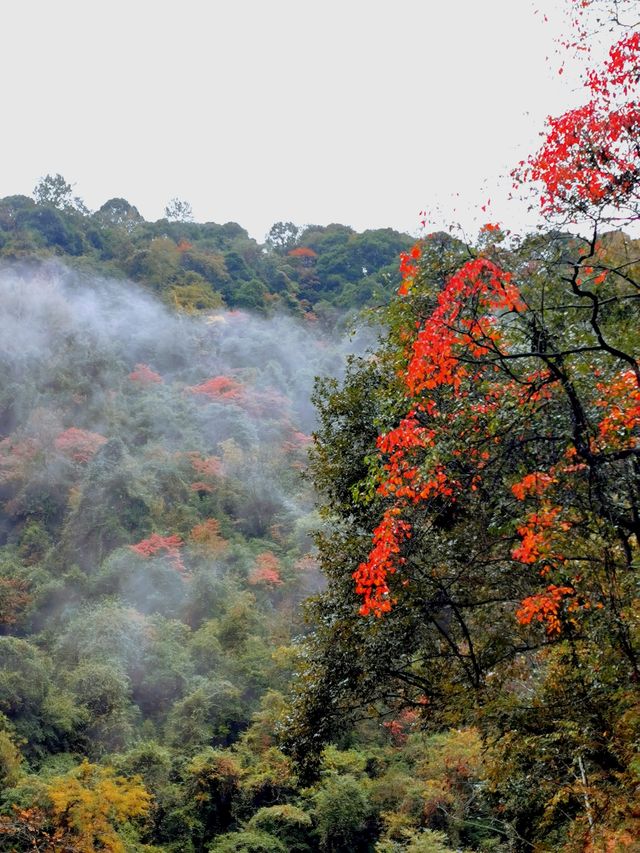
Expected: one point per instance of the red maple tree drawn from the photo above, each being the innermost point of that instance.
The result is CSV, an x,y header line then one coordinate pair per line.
x,y
144,375
170,546
589,164
79,444
486,348
220,388
266,570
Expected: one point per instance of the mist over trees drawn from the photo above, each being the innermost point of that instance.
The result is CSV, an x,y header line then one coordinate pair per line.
x,y
276,579
155,532
154,551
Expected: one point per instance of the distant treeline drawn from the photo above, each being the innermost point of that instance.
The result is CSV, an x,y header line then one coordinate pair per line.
x,y
313,270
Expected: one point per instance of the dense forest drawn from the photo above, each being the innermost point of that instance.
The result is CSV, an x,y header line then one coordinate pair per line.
x,y
330,543
317,272
155,552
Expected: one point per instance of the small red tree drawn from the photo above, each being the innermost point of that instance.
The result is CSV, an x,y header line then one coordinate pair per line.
x,y
144,375
207,537
16,455
14,599
79,444
266,570
170,546
220,388
209,468
303,253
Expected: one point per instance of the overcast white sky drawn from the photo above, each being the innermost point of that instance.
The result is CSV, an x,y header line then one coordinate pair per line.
x,y
359,111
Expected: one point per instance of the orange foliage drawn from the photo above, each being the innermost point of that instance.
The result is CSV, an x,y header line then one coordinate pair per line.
x,y
266,570
536,543
79,444
408,268
437,360
400,728
621,401
157,544
532,484
371,576
31,828
15,456
219,388
207,466
14,598
207,536
590,157
544,607
302,252
143,375
201,486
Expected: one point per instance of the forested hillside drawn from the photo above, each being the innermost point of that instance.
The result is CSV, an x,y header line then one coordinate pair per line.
x,y
155,551
277,574
157,689
317,271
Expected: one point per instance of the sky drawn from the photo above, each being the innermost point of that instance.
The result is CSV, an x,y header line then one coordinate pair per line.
x,y
360,111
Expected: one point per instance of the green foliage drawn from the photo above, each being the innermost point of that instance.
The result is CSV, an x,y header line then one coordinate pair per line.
x,y
53,190
169,665
230,268
268,778
247,841
425,841
282,236
191,293
105,633
342,812
11,766
290,825
178,210
209,714
212,784
34,542
100,688
118,213
452,650
143,658
23,687
450,726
